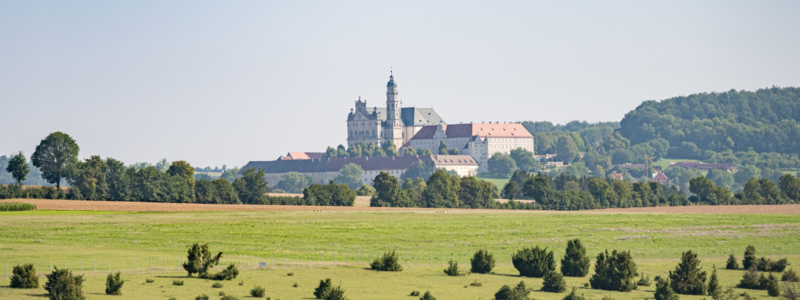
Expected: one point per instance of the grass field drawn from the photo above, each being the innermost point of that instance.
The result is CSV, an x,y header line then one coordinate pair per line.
x,y
80,238
499,181
664,162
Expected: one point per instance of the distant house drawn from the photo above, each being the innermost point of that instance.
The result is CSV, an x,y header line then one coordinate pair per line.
x,y
617,176
702,166
301,156
661,178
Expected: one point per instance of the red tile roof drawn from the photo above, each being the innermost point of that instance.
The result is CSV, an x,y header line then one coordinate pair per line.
x,y
476,129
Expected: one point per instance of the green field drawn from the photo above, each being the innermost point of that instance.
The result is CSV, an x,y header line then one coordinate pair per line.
x,y
81,239
500,182
664,162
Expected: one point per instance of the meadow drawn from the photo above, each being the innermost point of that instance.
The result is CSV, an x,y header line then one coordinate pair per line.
x,y
425,240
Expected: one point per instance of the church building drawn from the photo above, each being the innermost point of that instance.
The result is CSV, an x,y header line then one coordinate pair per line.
x,y
394,122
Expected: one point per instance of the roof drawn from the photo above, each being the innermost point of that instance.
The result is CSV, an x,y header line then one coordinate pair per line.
x,y
660,177
302,155
514,130
699,165
616,175
412,116
367,163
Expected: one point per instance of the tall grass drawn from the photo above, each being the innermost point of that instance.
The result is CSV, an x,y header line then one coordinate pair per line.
x,y
16,206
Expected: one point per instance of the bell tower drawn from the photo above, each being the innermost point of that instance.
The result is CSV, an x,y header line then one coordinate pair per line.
x,y
393,128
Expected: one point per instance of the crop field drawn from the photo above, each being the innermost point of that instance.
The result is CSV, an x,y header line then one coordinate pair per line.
x,y
86,241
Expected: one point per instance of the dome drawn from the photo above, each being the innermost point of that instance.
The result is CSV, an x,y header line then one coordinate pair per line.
x,y
391,81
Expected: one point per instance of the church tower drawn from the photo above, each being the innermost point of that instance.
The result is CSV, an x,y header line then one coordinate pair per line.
x,y
393,128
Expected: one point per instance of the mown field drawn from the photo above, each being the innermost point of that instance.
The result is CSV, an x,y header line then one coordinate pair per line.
x,y
79,239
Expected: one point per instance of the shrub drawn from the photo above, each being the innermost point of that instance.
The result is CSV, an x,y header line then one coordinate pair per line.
x,y
258,292
608,297
688,279
773,287
574,296
388,262
229,297
222,293
482,262
62,285
520,292
228,274
664,291
750,279
324,286
554,282
714,289
241,283
414,293
177,282
779,265
476,283
199,260
614,272
16,206
763,264
730,294
427,296
149,280
452,269
295,284
789,276
575,262
533,262
217,285
644,281
732,264
24,277
114,284
336,293
290,274
789,291
749,257
201,297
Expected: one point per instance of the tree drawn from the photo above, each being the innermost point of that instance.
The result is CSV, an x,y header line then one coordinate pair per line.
x,y
554,282
180,168
324,287
252,186
614,272
744,173
388,193
200,261
88,179
731,263
54,155
62,285
575,262
390,261
409,152
419,169
442,148
714,289
749,257
533,262
442,190
18,167
476,194
24,277
482,262
520,292
721,178
350,174
389,148
566,149
523,158
510,190
502,165
424,151
114,284
294,182
664,291
330,153
688,279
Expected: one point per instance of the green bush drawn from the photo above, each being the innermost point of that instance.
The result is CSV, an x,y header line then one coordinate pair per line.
x,y
789,276
574,296
336,293
199,260
575,262
750,279
149,280
554,282
388,262
614,272
295,284
16,206
773,287
222,293
749,257
324,286
258,292
520,292
290,274
476,283
714,289
688,279
229,297
114,284
452,269
482,262
644,281
228,273
24,277
177,282
533,262
414,293
62,285
732,264
201,297
427,296
664,291
217,285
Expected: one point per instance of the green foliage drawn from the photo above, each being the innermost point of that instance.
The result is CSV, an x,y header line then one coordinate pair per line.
x,y
644,281
18,167
714,288
520,292
365,190
573,295
336,293
482,262
114,284
258,292
688,279
534,262
749,257
199,260
554,282
474,193
523,159
218,191
427,296
24,277
419,169
54,157
502,164
768,265
773,287
414,293
228,297
575,262
177,282
252,186
294,182
217,285
331,194
350,175
16,206
707,192
614,272
750,279
442,190
664,291
452,269
201,297
388,262
476,283
323,288
62,285
149,280
790,276
732,263
388,192
566,149
510,190
228,273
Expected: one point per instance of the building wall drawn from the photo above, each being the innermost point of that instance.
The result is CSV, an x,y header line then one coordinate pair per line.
x,y
476,147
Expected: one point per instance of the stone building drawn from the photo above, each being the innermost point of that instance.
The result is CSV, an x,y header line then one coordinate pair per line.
x,y
479,140
394,122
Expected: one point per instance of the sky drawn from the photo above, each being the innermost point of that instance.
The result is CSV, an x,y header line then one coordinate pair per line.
x,y
227,82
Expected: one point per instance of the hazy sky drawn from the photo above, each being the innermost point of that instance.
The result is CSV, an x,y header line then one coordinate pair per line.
x,y
226,82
